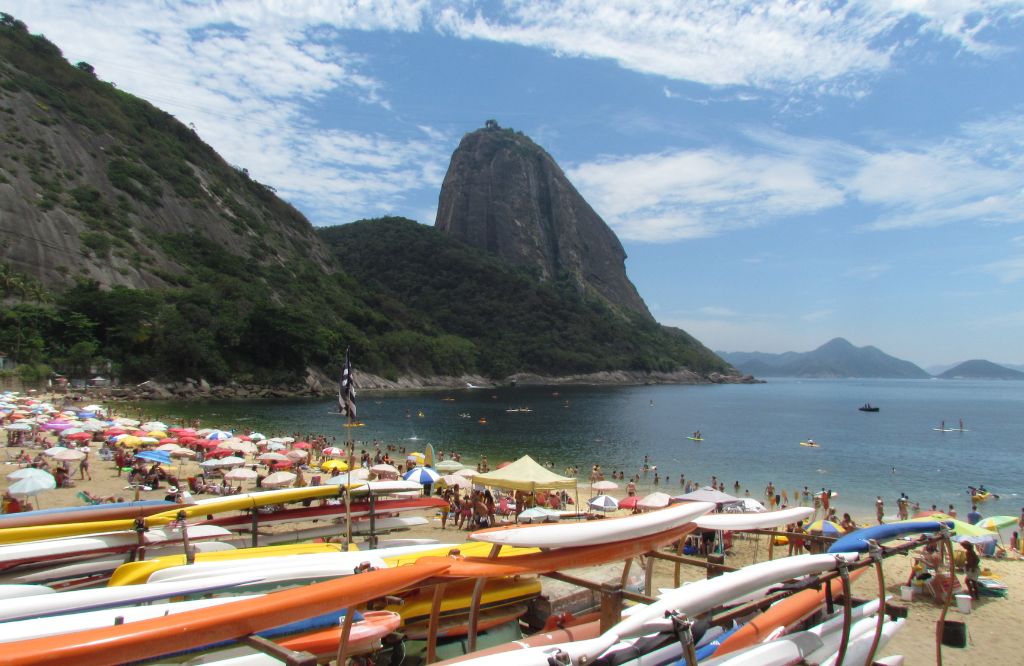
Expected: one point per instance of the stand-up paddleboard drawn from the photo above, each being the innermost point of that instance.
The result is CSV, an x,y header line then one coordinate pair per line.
x,y
68,548
108,597
785,613
88,513
19,591
133,573
61,624
858,648
94,571
357,510
857,542
944,429
594,532
365,636
813,445
753,521
695,439
690,600
803,646
166,635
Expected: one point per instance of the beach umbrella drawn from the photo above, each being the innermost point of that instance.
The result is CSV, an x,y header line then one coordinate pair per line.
x,y
279,480
384,468
455,481
159,434
28,473
297,455
467,472
346,479
306,446
333,451
18,427
604,485
235,444
162,457
603,503
32,485
272,456
276,446
996,523
182,452
149,440
629,502
282,464
71,454
154,425
80,436
825,528
289,440
231,461
218,434
56,426
240,474
169,440
334,466
257,437
656,500
448,466
168,446
54,450
745,505
128,423
129,441
422,475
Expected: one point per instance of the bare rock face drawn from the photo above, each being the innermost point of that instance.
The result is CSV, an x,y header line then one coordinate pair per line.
x,y
504,194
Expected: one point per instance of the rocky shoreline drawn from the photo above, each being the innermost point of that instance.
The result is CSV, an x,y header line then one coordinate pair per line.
x,y
317,384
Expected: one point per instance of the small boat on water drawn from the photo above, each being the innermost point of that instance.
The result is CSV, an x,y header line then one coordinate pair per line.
x,y
868,408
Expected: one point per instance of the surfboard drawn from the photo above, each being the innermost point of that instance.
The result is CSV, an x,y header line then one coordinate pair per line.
x,y
165,635
813,445
690,600
753,521
594,532
857,541
90,512
18,591
695,439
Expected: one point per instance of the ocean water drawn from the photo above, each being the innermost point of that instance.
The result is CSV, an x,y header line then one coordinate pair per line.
x,y
751,433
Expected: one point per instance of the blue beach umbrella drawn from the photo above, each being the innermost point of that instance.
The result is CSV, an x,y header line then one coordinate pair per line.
x,y
603,503
825,528
155,456
422,475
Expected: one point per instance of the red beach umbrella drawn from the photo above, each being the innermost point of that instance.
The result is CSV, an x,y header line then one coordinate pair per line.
x,y
302,445
281,464
79,436
629,502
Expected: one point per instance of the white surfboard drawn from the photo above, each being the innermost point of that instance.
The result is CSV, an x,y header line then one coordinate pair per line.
x,y
108,597
63,624
753,521
595,532
19,591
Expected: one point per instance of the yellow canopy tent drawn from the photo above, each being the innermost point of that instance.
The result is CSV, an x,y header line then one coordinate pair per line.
x,y
525,474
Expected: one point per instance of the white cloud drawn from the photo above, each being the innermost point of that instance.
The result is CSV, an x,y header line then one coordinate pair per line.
x,y
817,315
247,75
696,193
1007,270
817,44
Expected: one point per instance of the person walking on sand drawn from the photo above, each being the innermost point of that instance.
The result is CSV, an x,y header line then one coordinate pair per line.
x,y
83,468
972,569
879,508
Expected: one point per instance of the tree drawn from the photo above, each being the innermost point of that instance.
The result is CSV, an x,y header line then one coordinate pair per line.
x,y
86,67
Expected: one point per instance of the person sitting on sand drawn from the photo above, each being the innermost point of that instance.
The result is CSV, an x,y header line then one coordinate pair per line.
x,y
847,523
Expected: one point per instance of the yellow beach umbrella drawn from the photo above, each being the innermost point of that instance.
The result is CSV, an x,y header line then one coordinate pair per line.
x,y
334,466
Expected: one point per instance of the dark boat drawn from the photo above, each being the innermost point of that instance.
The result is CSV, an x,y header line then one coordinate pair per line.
x,y
868,408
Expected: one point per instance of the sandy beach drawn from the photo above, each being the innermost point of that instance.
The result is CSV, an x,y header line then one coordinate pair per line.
x,y
991,624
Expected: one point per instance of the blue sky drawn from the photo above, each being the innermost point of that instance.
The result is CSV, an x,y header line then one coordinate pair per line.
x,y
780,173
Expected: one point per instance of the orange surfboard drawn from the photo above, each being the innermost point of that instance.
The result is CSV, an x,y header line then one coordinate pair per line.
x,y
173,633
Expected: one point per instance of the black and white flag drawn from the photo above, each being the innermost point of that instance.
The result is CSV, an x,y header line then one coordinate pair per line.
x,y
347,390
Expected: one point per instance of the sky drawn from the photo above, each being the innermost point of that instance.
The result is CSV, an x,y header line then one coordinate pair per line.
x,y
779,173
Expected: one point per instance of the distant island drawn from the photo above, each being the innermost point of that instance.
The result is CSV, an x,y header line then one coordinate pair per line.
x,y
839,359
836,359
979,369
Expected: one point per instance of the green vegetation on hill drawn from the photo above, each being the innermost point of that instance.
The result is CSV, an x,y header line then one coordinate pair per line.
x,y
502,316
215,277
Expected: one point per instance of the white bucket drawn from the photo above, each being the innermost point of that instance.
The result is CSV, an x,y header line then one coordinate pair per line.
x,y
963,603
906,593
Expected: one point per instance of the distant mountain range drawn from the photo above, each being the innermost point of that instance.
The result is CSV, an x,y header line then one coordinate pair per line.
x,y
838,358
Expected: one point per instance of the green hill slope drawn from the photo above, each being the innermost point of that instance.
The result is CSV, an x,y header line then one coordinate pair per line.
x,y
503,315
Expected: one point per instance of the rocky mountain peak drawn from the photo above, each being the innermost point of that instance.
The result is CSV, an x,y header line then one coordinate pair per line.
x,y
504,194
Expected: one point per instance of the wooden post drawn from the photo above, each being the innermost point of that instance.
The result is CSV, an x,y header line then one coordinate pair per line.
x,y
648,575
346,631
611,606
435,621
474,604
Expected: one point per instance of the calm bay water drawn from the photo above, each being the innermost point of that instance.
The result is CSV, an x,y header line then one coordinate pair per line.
x,y
751,433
